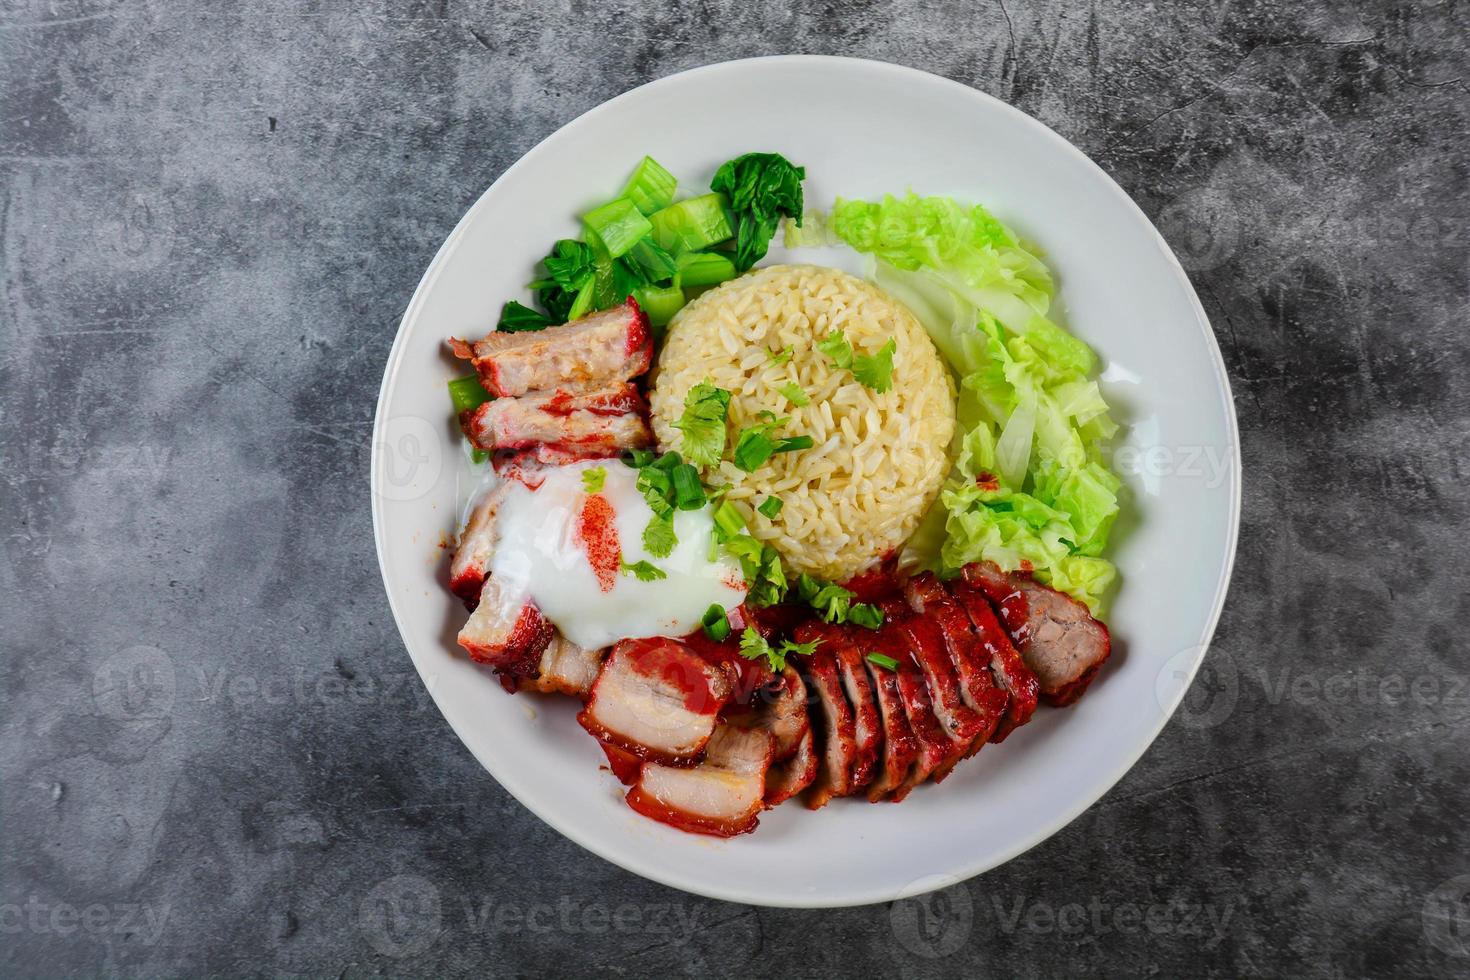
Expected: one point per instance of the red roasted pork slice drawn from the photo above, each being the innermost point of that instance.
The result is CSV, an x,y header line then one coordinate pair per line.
x,y
613,345
506,630
476,546
936,754
899,746
780,709
721,796
600,421
785,779
657,699
977,684
867,728
1006,665
565,668
833,719
961,724
1056,636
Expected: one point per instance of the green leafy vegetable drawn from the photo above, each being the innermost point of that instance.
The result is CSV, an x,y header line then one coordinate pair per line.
x,y
651,187
659,538
1030,486
716,623
618,225
593,479
703,269
779,357
703,424
795,394
761,188
644,571
660,303
875,371
865,615
570,274
516,317
467,393
770,507
837,349
883,660
834,603
691,224
753,646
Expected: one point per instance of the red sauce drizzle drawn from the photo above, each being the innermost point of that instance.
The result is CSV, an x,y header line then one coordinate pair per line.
x,y
597,529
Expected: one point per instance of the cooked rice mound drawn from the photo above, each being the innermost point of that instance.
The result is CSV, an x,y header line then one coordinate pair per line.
x,y
878,460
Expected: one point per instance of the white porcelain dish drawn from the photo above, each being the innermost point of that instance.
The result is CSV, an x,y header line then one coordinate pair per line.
x,y
861,129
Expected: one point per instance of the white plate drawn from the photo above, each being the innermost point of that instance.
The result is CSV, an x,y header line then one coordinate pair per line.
x,y
861,129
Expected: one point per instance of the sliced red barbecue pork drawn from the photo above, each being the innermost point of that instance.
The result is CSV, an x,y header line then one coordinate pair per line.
x,y
960,723
601,421
1007,667
785,779
867,727
832,718
720,796
506,630
972,665
476,546
899,746
1056,636
613,345
565,668
657,699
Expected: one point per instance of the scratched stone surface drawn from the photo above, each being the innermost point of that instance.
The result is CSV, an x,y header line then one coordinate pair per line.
x,y
215,759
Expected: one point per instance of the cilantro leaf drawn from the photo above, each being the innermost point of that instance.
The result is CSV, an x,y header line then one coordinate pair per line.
x,y
876,371
659,538
779,357
645,571
753,646
837,349
593,479
865,615
794,393
703,424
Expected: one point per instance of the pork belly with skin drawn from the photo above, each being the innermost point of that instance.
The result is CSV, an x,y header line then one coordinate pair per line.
x,y
657,699
613,345
602,421
565,668
506,631
1055,634
476,546
721,796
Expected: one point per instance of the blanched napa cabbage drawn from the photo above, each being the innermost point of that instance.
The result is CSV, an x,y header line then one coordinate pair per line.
x,y
1029,485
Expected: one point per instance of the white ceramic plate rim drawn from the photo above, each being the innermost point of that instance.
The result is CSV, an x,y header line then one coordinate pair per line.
x,y
723,890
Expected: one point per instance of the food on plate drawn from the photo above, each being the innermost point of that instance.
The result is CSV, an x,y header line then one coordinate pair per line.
x,y
785,532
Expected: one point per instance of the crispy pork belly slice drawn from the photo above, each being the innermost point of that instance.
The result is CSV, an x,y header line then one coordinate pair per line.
x,y
604,420
833,720
722,795
962,725
1006,665
565,668
528,466
476,546
899,746
613,345
657,699
867,729
936,755
506,630
785,779
1056,636
977,685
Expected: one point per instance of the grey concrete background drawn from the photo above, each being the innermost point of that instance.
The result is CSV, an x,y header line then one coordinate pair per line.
x,y
215,757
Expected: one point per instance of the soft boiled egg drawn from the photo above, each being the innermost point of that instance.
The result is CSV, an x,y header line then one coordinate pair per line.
x,y
569,550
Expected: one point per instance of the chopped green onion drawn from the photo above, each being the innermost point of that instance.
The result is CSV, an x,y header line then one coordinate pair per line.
x,y
467,393
703,269
692,224
728,520
667,462
882,660
618,225
688,491
795,394
645,571
770,507
716,623
638,458
593,479
479,455
793,443
651,187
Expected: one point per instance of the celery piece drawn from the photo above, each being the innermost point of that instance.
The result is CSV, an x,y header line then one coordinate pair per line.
x,y
651,187
467,393
691,225
659,302
652,259
618,225
703,269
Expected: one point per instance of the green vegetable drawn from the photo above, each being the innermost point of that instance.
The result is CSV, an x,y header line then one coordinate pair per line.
x,y
618,225
865,615
467,393
883,660
834,603
716,623
659,538
761,188
692,224
779,357
703,269
770,507
1030,483
593,479
515,317
582,302
660,303
755,447
728,521
703,424
651,187
794,394
837,349
688,491
644,571
876,371
570,272
753,646
656,263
